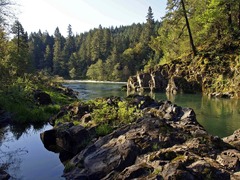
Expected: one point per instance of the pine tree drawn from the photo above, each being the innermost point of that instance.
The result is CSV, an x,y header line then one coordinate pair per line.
x,y
148,27
48,59
19,50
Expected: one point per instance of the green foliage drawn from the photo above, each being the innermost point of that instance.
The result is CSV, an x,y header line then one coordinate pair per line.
x,y
103,112
214,25
18,99
127,114
104,129
179,158
68,167
96,71
19,57
64,119
155,147
97,54
120,113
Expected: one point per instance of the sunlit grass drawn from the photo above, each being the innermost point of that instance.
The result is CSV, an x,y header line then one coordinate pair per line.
x,y
18,100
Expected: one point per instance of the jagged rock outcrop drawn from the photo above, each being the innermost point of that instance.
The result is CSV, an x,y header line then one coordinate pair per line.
x,y
77,111
68,137
215,75
166,143
234,139
65,90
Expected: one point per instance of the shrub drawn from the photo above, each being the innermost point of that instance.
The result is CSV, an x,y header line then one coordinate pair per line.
x,y
104,129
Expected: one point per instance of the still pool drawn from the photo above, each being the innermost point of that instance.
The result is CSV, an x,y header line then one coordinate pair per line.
x,y
26,157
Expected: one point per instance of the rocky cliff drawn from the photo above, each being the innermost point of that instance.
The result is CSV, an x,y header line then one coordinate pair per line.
x,y
214,75
167,142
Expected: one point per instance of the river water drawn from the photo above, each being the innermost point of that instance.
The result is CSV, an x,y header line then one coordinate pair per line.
x,y
219,117
28,159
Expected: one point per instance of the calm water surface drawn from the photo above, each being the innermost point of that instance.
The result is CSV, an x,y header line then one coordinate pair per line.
x,y
28,158
25,155
219,116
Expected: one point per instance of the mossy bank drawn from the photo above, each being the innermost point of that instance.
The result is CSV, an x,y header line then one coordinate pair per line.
x,y
32,99
216,75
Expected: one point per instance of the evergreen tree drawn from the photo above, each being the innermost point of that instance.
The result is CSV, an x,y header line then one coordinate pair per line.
x,y
58,61
19,56
4,75
48,59
148,27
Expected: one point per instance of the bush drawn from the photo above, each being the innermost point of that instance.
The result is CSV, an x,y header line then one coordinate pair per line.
x,y
104,129
18,99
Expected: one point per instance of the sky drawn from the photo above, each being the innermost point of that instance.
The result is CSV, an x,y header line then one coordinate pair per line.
x,y
84,15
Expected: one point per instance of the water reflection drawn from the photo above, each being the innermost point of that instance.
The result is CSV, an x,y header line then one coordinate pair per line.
x,y
23,155
219,116
10,159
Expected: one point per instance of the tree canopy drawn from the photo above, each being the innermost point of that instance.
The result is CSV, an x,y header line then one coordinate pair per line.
x,y
189,27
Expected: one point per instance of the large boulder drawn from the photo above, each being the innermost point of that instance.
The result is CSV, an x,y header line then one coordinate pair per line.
x,y
68,137
167,143
119,150
42,98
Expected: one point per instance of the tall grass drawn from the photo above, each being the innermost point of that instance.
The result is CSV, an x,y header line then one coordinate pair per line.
x,y
18,100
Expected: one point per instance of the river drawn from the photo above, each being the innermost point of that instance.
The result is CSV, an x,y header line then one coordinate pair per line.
x,y
219,117
28,159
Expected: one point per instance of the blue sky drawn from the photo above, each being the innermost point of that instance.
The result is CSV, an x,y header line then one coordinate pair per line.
x,y
85,14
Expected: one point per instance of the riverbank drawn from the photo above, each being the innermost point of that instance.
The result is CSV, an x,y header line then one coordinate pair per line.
x,y
32,100
91,81
165,142
97,119
215,75
25,108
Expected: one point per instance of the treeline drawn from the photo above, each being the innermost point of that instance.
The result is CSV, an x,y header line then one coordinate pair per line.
x,y
112,53
100,54
190,27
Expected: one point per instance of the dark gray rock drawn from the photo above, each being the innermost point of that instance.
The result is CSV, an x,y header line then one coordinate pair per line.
x,y
66,136
4,175
230,159
234,139
166,143
42,98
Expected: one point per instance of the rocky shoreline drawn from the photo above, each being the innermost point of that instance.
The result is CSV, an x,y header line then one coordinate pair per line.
x,y
167,142
213,75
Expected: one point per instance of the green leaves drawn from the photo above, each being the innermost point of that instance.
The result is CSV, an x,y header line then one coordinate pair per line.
x,y
214,26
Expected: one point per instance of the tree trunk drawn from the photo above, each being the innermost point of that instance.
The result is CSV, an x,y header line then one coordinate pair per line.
x,y
239,16
229,16
18,38
189,29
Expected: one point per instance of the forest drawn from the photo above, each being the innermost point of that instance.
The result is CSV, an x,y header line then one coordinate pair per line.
x,y
190,27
